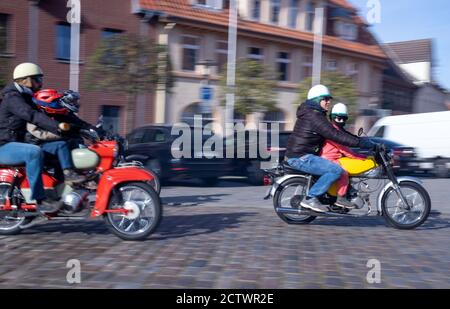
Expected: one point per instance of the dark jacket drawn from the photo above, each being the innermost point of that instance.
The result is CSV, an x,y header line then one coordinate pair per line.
x,y
311,130
16,110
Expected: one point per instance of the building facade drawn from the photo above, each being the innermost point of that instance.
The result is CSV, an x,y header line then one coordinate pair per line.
x,y
38,31
277,33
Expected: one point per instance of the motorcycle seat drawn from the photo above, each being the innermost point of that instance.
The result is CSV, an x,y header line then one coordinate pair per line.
x,y
290,170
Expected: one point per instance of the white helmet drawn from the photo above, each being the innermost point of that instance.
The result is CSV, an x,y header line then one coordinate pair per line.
x,y
26,69
339,109
318,91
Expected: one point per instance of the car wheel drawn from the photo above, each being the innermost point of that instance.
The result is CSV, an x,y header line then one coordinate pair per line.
x,y
440,169
254,173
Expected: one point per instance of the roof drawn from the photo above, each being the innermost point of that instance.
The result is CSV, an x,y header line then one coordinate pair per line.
x,y
412,51
184,10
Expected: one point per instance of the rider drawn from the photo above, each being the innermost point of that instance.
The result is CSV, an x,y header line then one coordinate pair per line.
x,y
16,110
334,151
306,141
54,144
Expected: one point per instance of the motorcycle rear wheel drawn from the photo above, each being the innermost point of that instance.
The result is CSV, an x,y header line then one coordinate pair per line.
x,y
146,213
10,225
401,218
284,197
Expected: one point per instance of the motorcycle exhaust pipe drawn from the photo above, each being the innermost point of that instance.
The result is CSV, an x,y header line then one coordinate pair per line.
x,y
292,211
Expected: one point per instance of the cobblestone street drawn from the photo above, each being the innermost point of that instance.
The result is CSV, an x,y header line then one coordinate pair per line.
x,y
206,244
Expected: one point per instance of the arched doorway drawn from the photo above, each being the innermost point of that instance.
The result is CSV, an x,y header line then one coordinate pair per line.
x,y
196,110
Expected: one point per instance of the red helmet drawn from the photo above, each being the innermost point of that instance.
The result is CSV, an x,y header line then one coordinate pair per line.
x,y
48,100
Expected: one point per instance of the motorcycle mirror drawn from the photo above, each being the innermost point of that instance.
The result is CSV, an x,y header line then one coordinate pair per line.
x,y
360,131
99,122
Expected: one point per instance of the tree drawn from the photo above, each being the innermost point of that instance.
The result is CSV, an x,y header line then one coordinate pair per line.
x,y
130,65
342,88
255,87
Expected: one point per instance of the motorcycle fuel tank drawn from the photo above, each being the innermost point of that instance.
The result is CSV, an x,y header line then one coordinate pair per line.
x,y
357,167
84,159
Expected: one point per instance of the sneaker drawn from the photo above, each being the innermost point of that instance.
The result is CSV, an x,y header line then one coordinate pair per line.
x,y
70,177
313,204
344,203
48,206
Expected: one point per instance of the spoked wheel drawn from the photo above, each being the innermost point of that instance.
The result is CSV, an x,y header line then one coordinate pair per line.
x,y
398,215
155,182
289,196
9,223
154,167
144,215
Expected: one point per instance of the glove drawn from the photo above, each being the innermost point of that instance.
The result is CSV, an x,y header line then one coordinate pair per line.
x,y
64,127
366,143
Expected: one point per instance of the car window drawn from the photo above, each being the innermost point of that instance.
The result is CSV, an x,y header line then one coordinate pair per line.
x,y
380,132
136,137
154,136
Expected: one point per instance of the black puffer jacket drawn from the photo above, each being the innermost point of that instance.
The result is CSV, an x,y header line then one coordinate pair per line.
x,y
16,110
310,132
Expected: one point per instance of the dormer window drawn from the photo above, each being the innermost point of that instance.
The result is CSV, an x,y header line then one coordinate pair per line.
x,y
209,4
346,30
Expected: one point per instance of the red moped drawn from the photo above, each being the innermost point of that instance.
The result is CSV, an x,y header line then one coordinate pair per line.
x,y
123,192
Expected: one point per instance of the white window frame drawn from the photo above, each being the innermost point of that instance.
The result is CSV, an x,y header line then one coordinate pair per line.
x,y
275,4
310,11
210,4
189,46
286,61
253,10
332,68
291,9
253,56
221,51
307,64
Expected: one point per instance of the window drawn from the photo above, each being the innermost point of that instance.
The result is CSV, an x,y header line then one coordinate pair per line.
x,y
307,66
111,118
293,13
347,31
136,137
212,4
190,52
275,11
310,12
332,65
108,33
352,71
154,136
222,55
3,33
256,10
283,62
111,58
380,132
63,41
255,53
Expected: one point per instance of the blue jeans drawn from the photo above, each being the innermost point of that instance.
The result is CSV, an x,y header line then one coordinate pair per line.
x,y
328,171
62,151
33,157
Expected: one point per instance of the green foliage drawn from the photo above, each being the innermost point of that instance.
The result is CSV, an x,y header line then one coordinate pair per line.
x,y
342,88
255,87
127,64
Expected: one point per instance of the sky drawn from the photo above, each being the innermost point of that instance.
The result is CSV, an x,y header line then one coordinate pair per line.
x,y
404,20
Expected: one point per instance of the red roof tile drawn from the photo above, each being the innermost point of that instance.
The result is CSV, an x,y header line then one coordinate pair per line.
x,y
183,9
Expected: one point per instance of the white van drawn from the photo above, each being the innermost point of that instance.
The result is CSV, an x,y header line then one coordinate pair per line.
x,y
428,133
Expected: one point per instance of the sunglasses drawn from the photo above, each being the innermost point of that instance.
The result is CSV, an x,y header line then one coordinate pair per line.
x,y
38,79
341,118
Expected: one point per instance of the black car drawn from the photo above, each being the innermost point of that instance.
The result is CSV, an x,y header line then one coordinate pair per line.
x,y
153,146
249,162
405,160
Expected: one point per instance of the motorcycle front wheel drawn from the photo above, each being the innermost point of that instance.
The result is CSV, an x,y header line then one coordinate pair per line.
x,y
289,195
145,211
398,215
